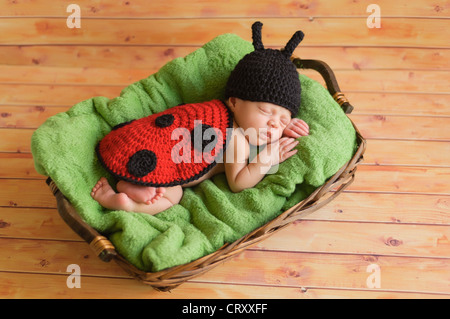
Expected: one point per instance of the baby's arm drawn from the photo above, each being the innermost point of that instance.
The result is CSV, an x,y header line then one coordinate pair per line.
x,y
241,175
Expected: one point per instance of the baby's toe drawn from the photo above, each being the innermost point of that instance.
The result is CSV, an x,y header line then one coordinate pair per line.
x,y
160,190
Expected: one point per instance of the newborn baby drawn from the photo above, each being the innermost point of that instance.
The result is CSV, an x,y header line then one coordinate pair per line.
x,y
262,100
274,128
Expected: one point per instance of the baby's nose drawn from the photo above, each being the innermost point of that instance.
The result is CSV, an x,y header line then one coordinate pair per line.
x,y
273,123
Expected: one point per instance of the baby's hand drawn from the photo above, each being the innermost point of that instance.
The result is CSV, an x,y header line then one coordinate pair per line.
x,y
296,128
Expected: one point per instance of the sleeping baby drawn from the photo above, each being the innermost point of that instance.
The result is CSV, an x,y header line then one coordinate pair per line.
x,y
155,157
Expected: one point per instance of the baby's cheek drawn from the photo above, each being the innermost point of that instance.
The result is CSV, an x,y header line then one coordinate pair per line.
x,y
277,133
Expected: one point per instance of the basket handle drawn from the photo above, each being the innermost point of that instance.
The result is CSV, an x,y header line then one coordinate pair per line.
x,y
102,247
330,79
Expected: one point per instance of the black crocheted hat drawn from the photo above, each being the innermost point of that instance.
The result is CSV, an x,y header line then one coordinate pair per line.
x,y
267,75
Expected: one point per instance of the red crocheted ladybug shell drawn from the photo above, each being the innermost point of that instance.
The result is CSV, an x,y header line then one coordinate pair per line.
x,y
170,148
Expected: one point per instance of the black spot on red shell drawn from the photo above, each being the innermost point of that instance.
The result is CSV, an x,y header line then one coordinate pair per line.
x,y
203,138
165,120
142,163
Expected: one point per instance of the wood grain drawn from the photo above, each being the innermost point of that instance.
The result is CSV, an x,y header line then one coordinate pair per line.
x,y
291,270
362,238
151,57
32,223
26,285
419,81
38,194
53,95
234,8
395,32
405,103
422,180
18,165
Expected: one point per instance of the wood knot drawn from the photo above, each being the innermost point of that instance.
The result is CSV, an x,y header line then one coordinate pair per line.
x,y
443,203
371,259
11,203
356,66
293,273
393,242
381,118
44,263
4,224
169,52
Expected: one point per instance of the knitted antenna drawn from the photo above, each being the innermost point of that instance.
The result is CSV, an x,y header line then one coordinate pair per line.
x,y
293,43
256,36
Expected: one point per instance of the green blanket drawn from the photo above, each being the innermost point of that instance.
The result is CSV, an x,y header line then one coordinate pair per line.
x,y
209,214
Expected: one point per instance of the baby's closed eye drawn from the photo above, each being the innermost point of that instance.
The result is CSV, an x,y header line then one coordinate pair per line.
x,y
265,111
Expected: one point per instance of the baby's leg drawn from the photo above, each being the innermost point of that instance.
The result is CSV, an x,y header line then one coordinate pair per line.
x,y
108,198
105,195
140,194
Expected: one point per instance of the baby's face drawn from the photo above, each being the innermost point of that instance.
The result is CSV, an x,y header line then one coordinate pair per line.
x,y
262,122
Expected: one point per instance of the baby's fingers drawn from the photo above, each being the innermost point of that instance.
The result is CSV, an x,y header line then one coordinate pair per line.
x,y
288,144
285,141
300,127
301,130
288,154
286,150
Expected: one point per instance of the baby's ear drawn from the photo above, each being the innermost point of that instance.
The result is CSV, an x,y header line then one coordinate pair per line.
x,y
231,103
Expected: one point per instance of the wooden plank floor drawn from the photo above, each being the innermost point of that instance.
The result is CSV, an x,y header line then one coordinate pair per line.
x,y
392,224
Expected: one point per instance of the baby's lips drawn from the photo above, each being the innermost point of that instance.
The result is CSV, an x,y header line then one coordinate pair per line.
x,y
265,134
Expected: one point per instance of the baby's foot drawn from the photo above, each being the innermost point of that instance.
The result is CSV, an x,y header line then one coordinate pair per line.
x,y
103,193
141,194
158,194
146,195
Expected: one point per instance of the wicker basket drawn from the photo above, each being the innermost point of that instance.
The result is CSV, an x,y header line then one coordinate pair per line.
x,y
170,278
